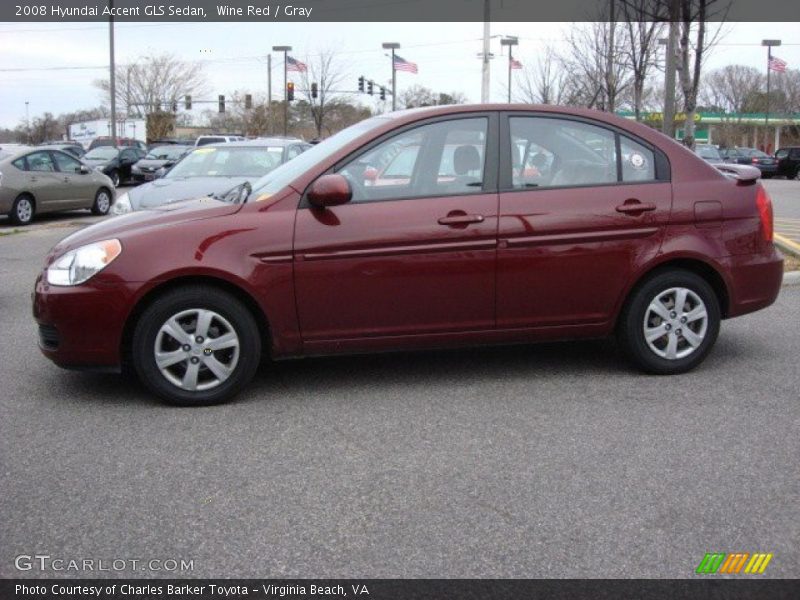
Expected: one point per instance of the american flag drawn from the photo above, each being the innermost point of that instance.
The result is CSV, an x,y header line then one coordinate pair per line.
x,y
776,64
401,64
515,64
292,64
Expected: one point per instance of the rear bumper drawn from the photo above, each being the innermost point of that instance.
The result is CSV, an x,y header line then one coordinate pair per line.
x,y
754,281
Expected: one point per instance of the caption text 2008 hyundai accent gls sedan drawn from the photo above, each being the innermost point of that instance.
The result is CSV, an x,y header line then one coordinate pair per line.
x,y
425,228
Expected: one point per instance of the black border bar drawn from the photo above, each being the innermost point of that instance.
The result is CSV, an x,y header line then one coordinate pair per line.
x,y
402,589
282,11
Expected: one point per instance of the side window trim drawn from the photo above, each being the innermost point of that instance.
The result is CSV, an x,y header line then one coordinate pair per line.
x,y
490,165
662,167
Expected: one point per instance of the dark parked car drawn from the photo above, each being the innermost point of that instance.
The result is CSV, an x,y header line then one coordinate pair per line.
x,y
751,156
211,170
114,162
73,148
628,233
708,153
160,157
789,162
41,180
121,142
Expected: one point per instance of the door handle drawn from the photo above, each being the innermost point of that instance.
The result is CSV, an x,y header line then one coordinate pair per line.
x,y
66,179
33,179
634,206
461,219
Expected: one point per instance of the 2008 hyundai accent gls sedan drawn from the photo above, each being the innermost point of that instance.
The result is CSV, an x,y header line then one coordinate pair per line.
x,y
426,228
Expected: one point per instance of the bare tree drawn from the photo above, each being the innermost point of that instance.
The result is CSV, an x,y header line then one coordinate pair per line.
x,y
695,43
324,71
544,81
154,82
730,88
597,65
641,44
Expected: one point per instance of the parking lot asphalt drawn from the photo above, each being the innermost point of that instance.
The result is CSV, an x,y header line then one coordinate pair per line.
x,y
554,460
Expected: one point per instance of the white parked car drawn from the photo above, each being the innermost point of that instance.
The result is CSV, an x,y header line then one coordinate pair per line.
x,y
204,140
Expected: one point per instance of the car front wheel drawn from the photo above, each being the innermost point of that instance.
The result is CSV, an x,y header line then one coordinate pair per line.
x,y
196,346
670,323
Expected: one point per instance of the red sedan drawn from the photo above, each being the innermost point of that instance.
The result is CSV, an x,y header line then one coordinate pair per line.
x,y
507,224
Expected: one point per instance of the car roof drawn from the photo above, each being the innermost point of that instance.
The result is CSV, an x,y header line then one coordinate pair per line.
x,y
258,143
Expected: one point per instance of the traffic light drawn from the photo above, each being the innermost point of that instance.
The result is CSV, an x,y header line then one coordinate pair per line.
x,y
369,87
383,93
314,90
187,102
361,84
221,103
290,91
248,101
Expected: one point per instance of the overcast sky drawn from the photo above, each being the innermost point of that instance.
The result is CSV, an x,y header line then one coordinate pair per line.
x,y
53,66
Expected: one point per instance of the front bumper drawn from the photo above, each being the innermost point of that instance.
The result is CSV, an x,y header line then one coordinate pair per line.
x,y
754,281
82,326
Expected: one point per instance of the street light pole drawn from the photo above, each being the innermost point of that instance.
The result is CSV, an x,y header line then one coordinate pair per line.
x,y
27,123
510,42
112,74
393,46
285,50
769,44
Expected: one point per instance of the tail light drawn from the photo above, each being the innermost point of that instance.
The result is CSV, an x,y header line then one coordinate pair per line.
x,y
755,161
764,204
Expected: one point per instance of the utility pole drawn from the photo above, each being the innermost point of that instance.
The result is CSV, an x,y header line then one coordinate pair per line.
x,y
269,92
27,122
668,126
112,75
510,42
769,44
486,55
393,46
285,50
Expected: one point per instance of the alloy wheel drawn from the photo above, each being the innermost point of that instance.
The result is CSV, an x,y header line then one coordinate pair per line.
x,y
24,210
196,349
103,202
675,323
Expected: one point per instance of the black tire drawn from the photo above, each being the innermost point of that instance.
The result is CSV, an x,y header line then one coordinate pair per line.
x,y
23,210
631,325
102,202
183,300
115,179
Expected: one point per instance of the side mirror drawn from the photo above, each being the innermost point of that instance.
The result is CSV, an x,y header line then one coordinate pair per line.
x,y
330,190
160,173
84,170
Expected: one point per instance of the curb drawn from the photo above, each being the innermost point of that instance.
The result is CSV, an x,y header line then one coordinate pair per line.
x,y
786,245
791,278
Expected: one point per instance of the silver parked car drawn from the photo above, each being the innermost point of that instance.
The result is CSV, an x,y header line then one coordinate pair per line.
x,y
40,180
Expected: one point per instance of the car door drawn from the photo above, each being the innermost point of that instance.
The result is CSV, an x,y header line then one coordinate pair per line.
x,y
79,189
572,230
127,158
45,182
417,257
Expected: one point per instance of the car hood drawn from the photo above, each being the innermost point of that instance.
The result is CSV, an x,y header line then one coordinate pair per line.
x,y
168,190
137,222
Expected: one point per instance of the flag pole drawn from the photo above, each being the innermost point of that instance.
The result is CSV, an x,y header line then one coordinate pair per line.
x,y
769,44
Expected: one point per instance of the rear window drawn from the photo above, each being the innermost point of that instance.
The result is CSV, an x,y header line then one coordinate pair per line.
x,y
210,140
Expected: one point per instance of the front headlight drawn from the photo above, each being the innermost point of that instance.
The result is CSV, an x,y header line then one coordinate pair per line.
x,y
79,265
122,205
99,168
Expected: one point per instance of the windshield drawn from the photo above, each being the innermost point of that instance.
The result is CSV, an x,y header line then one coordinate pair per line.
x,y
166,152
103,152
707,152
228,161
288,172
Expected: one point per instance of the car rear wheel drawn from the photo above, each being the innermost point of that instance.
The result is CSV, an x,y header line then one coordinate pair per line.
x,y
196,346
22,210
670,323
114,175
102,202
